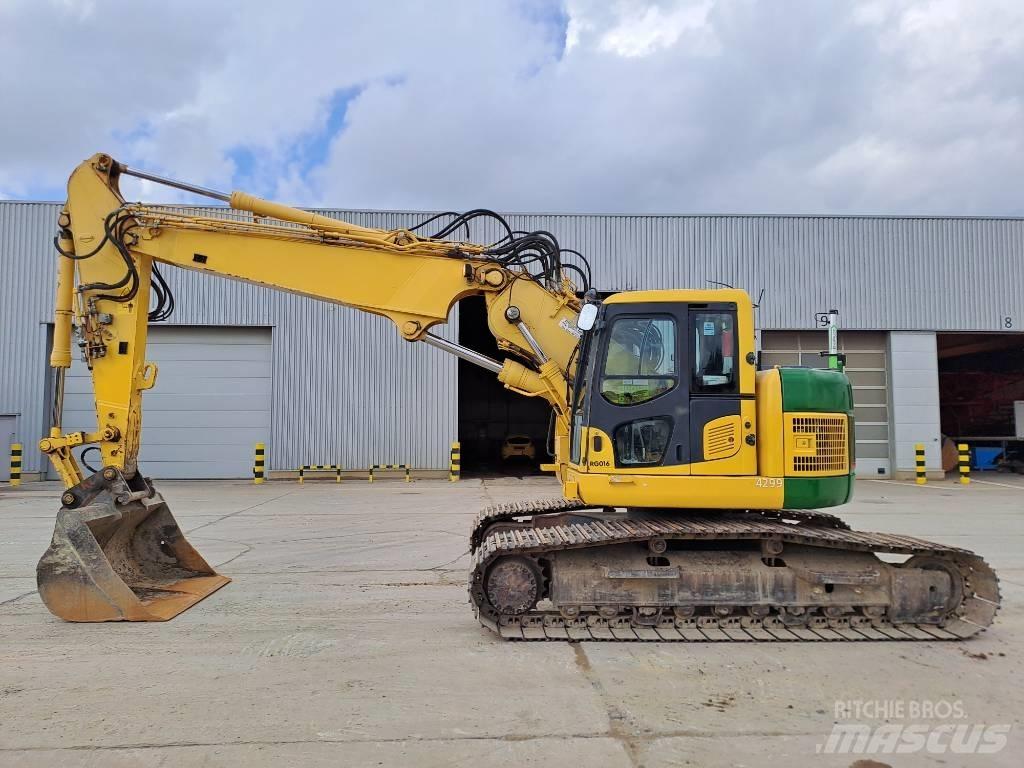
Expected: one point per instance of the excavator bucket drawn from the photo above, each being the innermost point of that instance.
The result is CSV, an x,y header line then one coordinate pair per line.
x,y
117,554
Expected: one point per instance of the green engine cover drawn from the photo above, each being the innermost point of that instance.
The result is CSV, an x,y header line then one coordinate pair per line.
x,y
814,389
822,391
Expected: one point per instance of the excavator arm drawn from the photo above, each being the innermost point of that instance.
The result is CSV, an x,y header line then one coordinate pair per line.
x,y
109,252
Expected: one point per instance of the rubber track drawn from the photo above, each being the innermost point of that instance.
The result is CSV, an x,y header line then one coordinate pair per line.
x,y
807,528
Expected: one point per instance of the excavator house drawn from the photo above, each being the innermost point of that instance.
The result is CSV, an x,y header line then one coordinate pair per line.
x,y
690,479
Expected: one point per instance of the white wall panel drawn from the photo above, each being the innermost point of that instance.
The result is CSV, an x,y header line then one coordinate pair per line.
x,y
914,373
210,406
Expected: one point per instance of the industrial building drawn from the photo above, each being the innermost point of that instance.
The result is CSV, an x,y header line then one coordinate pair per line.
x,y
931,311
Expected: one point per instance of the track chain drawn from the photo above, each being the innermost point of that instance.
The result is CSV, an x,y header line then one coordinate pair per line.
x,y
803,517
504,513
976,611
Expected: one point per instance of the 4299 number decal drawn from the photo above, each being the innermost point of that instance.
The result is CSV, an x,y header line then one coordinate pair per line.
x,y
769,482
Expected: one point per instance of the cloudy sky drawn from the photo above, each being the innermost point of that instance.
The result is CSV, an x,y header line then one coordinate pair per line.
x,y
528,105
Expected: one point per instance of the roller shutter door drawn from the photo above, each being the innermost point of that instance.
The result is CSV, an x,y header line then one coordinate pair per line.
x,y
867,369
210,405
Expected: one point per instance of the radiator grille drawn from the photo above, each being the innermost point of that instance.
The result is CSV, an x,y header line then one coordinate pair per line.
x,y
818,444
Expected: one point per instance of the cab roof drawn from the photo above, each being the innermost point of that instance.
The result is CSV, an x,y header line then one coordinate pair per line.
x,y
682,295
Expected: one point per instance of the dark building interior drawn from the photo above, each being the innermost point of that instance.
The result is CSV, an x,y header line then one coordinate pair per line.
x,y
493,420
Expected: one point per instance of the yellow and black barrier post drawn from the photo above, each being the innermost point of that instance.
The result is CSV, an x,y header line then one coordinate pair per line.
x,y
15,464
964,455
922,477
259,463
408,476
335,468
455,469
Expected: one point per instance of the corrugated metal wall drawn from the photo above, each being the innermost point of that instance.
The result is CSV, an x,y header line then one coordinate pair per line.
x,y
881,273
26,295
347,389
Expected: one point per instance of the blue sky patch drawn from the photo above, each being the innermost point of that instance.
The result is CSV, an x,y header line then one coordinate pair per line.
x,y
311,150
553,17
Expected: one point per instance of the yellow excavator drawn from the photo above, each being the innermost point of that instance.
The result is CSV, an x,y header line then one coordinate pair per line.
x,y
690,478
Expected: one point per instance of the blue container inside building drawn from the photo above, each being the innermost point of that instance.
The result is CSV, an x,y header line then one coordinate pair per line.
x,y
985,457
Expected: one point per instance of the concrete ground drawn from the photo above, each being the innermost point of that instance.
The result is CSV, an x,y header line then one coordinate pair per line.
x,y
345,639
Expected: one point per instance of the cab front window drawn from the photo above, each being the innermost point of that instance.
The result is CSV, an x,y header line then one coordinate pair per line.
x,y
640,363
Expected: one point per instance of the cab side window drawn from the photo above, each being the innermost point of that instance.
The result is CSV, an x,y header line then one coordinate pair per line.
x,y
714,352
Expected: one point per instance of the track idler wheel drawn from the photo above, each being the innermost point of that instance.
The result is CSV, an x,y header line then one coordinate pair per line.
x,y
513,585
975,591
117,554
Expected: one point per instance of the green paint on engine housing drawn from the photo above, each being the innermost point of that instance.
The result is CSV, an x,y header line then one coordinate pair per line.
x,y
818,391
817,492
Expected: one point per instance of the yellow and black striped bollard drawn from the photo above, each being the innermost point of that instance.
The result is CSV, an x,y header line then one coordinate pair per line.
x,y
456,462
921,478
964,452
15,464
258,463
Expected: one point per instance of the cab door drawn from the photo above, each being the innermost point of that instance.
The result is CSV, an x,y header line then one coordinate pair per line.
x,y
636,407
722,418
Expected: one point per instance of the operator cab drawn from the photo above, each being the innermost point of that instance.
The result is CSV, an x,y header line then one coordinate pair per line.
x,y
666,385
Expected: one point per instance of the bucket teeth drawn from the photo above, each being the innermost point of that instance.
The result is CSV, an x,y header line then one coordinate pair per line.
x,y
117,554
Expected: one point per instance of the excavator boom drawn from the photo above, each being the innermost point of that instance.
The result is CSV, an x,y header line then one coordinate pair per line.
x,y
117,552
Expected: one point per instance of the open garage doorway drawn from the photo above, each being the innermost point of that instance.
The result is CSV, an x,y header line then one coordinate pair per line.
x,y
981,376
501,433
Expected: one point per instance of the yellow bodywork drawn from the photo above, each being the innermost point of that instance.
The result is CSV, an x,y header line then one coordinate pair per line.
x,y
744,317
740,458
721,438
412,281
787,445
672,490
99,565
770,456
726,483
117,552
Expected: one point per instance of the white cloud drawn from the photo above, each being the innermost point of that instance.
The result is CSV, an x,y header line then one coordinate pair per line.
x,y
633,29
651,106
